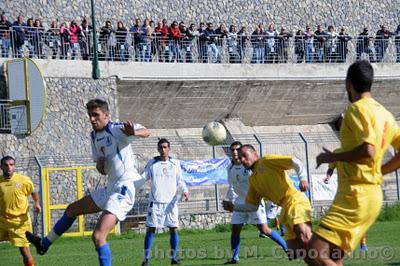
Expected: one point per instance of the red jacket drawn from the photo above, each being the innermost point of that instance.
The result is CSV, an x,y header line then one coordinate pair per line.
x,y
175,33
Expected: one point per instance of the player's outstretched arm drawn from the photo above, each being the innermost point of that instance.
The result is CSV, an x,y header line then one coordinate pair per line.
x,y
362,152
391,165
129,130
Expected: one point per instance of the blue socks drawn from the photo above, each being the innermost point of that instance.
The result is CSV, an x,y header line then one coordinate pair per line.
x,y
59,228
235,245
278,239
174,240
148,242
104,255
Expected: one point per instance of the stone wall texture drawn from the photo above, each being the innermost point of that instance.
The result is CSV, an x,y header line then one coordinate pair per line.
x,y
293,13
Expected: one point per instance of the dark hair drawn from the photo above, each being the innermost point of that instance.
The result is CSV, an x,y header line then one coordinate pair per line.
x,y
162,141
361,76
97,103
236,143
6,158
248,146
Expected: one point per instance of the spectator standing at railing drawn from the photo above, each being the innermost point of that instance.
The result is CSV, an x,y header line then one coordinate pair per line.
x,y
271,55
19,36
136,31
309,45
331,45
53,38
203,43
362,44
212,39
153,40
175,43
5,36
257,42
75,30
30,31
242,40
121,48
283,44
165,49
37,38
397,43
222,34
382,42
146,41
65,40
299,45
185,42
192,35
320,44
85,39
233,48
107,50
158,42
344,38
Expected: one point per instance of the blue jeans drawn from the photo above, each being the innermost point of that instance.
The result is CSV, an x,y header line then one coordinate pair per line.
x,y
214,51
258,55
5,47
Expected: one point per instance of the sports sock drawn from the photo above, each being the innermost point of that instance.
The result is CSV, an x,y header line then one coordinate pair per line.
x,y
59,228
278,239
235,246
29,262
174,241
104,254
148,242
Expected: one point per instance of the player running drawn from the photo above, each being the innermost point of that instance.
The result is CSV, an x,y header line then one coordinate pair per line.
x,y
366,132
14,211
238,187
166,179
112,153
270,181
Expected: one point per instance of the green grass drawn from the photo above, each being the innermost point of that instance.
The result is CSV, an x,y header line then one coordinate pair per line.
x,y
202,248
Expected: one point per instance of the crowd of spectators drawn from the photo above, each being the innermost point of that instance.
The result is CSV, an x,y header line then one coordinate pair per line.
x,y
148,41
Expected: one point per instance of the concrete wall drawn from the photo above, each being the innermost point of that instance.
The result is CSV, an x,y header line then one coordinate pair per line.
x,y
293,14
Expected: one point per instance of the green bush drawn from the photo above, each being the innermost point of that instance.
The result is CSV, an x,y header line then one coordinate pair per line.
x,y
390,213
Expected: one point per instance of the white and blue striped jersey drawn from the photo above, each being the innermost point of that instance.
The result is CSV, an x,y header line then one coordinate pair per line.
x,y
166,179
113,144
238,177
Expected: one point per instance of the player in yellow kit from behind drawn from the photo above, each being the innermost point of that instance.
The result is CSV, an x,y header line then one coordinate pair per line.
x,y
367,131
270,181
14,212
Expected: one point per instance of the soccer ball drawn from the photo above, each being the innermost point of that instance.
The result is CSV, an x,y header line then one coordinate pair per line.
x,y
214,133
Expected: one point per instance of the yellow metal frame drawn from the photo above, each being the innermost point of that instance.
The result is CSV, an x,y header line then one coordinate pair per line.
x,y
49,207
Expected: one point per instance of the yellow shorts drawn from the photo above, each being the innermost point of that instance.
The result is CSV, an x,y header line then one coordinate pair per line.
x,y
296,210
353,211
13,230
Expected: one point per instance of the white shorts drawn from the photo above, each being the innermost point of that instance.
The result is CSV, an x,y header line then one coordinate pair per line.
x,y
257,217
118,198
162,214
273,211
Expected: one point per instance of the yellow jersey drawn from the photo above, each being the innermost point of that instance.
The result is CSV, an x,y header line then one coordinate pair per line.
x,y
14,194
270,181
366,121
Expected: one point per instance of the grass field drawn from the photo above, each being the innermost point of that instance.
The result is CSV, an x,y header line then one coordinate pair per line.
x,y
204,248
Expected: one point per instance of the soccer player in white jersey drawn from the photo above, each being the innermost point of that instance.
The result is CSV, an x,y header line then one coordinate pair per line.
x,y
112,153
238,187
166,179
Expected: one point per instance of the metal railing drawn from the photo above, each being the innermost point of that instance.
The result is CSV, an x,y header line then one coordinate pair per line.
x,y
201,48
5,122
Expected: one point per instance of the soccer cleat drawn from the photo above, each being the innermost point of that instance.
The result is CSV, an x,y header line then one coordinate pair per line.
x,y
232,261
146,263
262,235
175,262
37,242
364,247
